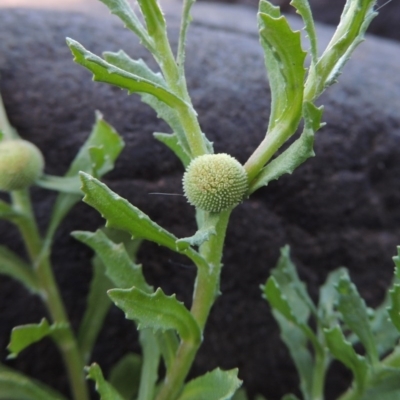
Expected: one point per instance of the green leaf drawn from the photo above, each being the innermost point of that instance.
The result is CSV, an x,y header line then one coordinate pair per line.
x,y
105,389
214,385
157,311
108,73
266,7
168,343
136,67
298,152
125,375
173,143
185,22
98,304
124,11
292,287
384,384
120,214
394,310
119,267
16,386
279,302
153,16
355,315
284,59
109,145
328,297
151,360
304,10
343,351
354,21
25,335
15,267
297,343
60,183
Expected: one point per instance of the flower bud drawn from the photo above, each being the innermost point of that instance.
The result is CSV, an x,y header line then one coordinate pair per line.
x,y
21,164
215,182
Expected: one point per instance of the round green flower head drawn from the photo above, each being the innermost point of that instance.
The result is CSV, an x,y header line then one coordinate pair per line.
x,y
215,182
21,164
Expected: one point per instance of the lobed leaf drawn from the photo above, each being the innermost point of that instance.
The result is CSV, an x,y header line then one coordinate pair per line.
x,y
16,386
125,375
25,335
124,11
355,315
97,306
15,267
120,214
119,268
104,388
343,351
284,59
173,143
214,385
108,73
156,311
109,145
296,154
304,10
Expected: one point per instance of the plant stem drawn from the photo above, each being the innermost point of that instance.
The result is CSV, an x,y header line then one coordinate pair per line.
x,y
205,292
65,340
5,126
319,377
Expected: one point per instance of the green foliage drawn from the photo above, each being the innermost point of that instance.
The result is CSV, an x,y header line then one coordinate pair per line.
x,y
104,388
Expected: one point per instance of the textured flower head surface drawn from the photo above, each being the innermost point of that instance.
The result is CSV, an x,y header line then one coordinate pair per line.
x,y
215,182
21,164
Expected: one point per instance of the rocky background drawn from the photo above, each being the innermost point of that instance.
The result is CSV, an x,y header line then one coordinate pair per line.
x,y
340,208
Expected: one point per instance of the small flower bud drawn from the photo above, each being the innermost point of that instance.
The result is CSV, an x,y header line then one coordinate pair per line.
x,y
215,182
21,164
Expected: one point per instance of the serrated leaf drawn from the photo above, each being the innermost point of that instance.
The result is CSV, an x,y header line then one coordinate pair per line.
x,y
328,296
119,267
292,287
343,351
284,59
157,311
109,144
120,214
25,335
304,10
151,360
298,152
297,343
108,73
124,11
355,315
104,388
16,386
268,8
394,310
13,266
214,385
279,302
354,21
60,183
173,143
97,306
125,375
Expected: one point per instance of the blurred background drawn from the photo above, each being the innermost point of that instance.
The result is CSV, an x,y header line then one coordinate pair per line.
x,y
325,11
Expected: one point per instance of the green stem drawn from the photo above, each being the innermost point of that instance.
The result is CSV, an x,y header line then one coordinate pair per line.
x,y
319,377
5,126
205,293
66,341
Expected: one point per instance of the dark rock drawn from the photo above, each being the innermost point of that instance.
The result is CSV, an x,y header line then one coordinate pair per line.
x,y
340,208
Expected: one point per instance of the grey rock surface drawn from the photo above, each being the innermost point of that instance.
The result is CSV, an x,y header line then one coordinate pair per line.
x,y
340,208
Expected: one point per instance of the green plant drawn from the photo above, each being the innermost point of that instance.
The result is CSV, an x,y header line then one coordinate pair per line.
x,y
214,184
